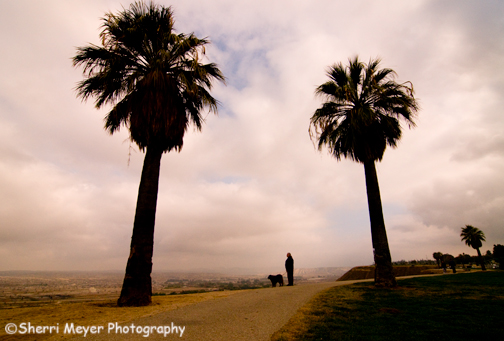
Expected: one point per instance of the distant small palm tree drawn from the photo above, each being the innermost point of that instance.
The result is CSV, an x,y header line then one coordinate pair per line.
x,y
437,256
358,120
473,237
157,85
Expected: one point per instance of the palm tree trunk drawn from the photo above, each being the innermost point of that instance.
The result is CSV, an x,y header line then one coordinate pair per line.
x,y
137,285
481,261
384,274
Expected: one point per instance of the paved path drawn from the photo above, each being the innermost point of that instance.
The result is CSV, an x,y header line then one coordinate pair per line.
x,y
248,315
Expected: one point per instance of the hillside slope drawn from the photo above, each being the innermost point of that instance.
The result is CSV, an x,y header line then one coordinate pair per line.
x,y
367,272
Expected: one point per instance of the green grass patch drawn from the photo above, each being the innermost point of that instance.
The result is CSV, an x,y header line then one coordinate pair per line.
x,y
466,306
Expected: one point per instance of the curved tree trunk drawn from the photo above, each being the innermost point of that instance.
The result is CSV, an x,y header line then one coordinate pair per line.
x,y
384,274
137,285
481,260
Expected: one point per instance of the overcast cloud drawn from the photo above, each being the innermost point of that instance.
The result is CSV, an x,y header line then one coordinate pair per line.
x,y
251,186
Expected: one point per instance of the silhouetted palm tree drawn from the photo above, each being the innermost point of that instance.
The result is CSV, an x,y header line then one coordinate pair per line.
x,y
358,120
158,86
473,238
437,256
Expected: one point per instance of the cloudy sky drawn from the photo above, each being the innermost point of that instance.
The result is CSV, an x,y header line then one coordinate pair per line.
x,y
251,186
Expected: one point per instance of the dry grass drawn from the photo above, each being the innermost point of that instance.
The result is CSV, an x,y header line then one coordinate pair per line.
x,y
465,306
305,317
93,313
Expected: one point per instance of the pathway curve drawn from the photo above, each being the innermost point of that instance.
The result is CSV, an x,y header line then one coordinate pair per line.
x,y
247,315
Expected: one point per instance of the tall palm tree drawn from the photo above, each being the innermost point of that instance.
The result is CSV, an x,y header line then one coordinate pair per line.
x,y
473,237
157,84
359,118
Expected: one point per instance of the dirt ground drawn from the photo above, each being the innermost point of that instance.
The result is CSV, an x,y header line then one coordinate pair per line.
x,y
92,313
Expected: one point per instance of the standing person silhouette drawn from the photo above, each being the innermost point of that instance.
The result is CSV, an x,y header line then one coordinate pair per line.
x,y
289,267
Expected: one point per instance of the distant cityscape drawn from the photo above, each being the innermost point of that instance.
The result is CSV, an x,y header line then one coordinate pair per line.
x,y
36,288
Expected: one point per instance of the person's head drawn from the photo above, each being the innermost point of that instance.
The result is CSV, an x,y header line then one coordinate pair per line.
x,y
288,254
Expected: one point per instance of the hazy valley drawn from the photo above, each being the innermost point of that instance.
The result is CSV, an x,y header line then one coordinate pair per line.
x,y
35,288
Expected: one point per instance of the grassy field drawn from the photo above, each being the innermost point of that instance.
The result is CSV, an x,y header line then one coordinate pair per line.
x,y
466,306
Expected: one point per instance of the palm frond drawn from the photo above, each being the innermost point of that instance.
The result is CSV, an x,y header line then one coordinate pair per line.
x,y
362,110
151,75
472,236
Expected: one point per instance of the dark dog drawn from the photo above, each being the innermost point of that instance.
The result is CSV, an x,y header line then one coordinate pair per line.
x,y
276,279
